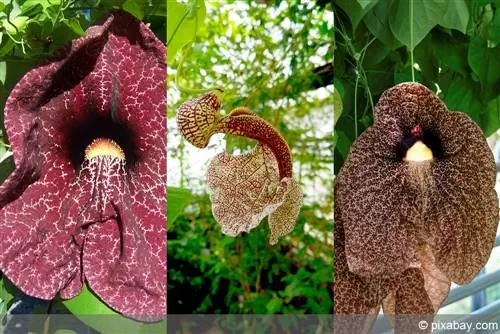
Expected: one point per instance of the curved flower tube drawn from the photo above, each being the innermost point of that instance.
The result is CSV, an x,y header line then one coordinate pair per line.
x,y
86,200
415,207
247,188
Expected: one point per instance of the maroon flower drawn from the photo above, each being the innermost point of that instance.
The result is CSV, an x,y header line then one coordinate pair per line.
x,y
415,207
87,197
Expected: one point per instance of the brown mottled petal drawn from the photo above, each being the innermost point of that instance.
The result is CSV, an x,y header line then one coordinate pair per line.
x,y
463,210
412,300
356,304
409,103
246,188
198,119
369,192
436,285
282,221
356,300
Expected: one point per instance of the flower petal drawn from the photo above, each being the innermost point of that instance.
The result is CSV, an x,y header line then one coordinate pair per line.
x,y
246,188
463,205
199,118
369,193
411,300
117,73
125,276
282,221
435,284
356,299
122,229
408,103
37,253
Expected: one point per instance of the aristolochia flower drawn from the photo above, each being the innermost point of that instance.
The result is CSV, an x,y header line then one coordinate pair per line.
x,y
415,207
246,188
87,198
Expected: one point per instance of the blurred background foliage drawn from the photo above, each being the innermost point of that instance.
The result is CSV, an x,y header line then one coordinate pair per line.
x,y
274,57
456,53
31,31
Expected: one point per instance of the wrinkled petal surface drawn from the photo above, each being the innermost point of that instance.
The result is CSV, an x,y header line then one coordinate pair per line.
x,y
463,204
246,188
356,300
111,79
417,224
389,204
199,118
368,194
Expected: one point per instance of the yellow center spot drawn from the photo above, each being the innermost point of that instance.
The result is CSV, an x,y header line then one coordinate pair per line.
x,y
418,152
104,147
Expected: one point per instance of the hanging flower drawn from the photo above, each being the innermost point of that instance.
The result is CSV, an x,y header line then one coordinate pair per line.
x,y
86,200
415,207
246,188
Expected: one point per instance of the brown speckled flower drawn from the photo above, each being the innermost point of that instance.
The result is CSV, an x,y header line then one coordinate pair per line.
x,y
246,188
415,207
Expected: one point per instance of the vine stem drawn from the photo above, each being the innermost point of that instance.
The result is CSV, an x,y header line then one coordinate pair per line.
x,y
411,42
356,105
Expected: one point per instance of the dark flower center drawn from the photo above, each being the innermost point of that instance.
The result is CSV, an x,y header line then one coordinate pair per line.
x,y
99,134
420,144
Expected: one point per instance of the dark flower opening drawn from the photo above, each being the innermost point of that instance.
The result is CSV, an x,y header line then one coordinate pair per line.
x,y
426,135
81,134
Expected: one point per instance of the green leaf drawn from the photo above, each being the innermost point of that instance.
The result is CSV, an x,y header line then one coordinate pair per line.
x,y
274,305
494,28
74,25
427,62
15,25
426,15
343,143
154,328
463,95
490,120
183,22
402,73
28,5
135,8
158,8
366,3
354,10
377,21
484,61
337,105
65,331
4,153
457,16
87,304
3,72
6,296
177,199
450,52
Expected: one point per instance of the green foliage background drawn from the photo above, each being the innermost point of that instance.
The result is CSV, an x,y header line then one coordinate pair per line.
x,y
266,56
456,45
